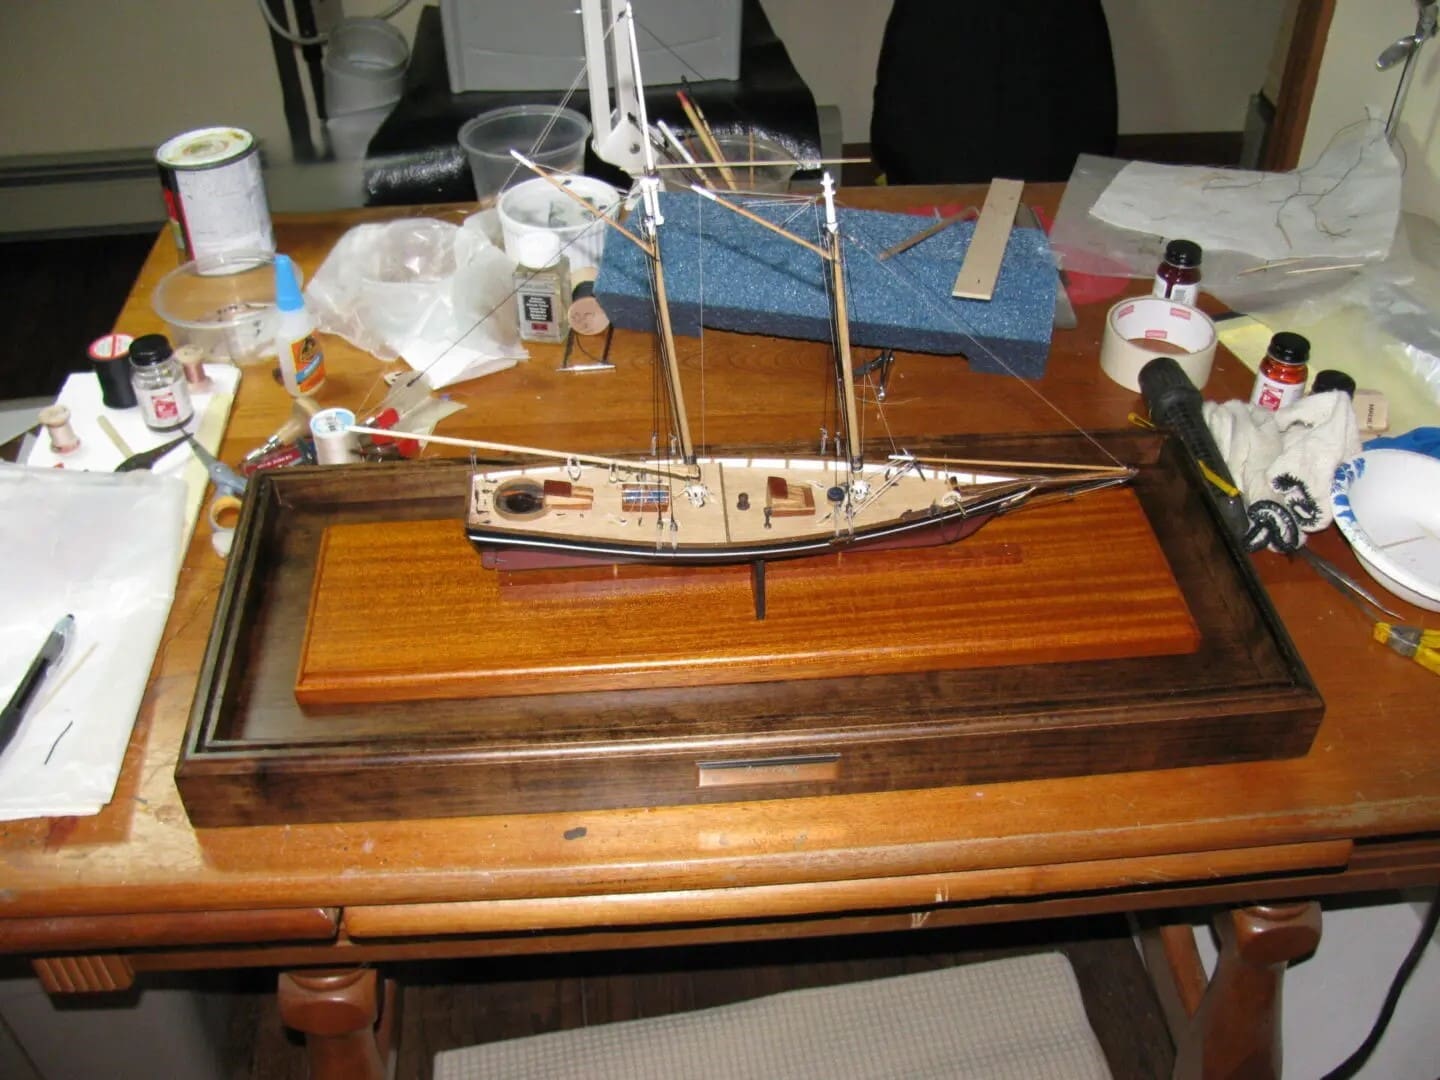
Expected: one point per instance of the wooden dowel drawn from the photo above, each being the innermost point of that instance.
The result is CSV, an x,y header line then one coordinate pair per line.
x,y
973,463
925,234
509,448
797,162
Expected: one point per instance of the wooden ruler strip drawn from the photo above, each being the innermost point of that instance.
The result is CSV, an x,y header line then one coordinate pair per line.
x,y
981,267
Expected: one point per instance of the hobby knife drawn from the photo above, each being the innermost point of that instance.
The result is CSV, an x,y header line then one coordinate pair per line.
x,y
45,661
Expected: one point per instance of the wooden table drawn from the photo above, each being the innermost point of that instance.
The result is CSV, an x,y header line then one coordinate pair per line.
x,y
94,901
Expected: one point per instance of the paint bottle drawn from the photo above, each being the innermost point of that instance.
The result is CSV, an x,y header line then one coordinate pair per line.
x,y
159,383
542,287
1280,380
302,363
1178,275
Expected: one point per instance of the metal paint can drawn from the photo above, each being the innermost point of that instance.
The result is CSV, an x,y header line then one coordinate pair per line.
x,y
215,193
335,443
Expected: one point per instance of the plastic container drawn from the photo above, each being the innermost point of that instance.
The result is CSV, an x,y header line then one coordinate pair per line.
x,y
302,361
535,206
741,146
546,134
364,66
224,305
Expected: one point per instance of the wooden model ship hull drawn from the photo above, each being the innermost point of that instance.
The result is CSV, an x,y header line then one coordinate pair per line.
x,y
738,510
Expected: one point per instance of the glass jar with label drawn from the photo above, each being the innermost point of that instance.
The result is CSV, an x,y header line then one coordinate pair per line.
x,y
1178,276
542,287
159,383
1281,378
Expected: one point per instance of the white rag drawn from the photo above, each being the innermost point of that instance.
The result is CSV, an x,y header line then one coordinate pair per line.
x,y
1283,462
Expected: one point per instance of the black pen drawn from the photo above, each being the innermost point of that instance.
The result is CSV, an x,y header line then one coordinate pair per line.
x,y
47,658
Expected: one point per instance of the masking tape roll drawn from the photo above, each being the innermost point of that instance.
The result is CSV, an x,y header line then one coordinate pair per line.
x,y
1141,328
224,514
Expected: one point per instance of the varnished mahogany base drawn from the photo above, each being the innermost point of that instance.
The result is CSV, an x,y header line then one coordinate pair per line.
x,y
404,611
254,754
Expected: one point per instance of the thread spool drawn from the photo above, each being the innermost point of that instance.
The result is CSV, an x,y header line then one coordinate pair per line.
x,y
335,443
56,419
192,362
586,314
110,356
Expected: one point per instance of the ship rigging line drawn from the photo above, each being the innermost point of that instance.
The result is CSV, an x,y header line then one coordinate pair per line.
x,y
951,316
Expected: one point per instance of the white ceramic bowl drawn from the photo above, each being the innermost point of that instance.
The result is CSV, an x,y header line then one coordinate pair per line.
x,y
1387,503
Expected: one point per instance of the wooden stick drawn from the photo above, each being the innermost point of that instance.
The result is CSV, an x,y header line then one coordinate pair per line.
x,y
981,267
925,234
760,221
797,162
545,174
558,455
973,462
702,131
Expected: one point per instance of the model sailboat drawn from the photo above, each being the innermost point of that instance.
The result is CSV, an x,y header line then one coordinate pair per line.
x,y
676,506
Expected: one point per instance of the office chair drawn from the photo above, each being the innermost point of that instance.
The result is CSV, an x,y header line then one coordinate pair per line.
x,y
966,91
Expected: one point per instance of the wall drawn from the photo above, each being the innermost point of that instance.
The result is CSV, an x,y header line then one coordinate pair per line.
x,y
80,75
86,75
1349,82
112,74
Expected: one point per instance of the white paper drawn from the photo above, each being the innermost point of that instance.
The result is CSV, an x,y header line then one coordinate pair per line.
x,y
106,548
98,453
445,364
1344,206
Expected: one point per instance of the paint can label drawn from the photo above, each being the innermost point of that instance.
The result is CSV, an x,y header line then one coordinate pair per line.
x,y
215,194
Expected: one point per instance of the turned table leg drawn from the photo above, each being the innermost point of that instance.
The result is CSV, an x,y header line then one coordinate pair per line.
x,y
347,1025
1228,1026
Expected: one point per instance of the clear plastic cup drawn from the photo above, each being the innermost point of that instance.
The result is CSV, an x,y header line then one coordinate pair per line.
x,y
547,134
771,171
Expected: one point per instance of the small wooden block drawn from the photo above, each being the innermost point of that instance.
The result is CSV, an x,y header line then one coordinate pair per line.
x,y
404,611
981,268
785,501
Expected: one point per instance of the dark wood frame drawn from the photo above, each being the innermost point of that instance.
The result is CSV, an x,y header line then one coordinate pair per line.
x,y
1309,33
250,756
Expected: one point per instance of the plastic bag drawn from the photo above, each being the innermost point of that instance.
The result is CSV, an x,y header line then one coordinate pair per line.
x,y
425,290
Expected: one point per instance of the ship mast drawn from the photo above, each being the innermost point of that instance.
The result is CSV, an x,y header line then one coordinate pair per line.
x,y
651,220
843,371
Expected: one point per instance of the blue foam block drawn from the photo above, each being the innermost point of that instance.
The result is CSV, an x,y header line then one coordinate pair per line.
x,y
756,282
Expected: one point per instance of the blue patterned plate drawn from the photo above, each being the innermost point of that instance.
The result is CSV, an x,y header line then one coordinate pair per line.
x,y
1387,503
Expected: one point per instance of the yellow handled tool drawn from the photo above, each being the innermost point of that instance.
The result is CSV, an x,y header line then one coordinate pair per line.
x,y
1412,642
1417,643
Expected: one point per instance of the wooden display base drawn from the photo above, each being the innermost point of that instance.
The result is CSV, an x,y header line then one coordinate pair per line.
x,y
1235,691
404,611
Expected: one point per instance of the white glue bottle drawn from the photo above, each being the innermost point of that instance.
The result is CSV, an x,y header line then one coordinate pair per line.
x,y
302,364
542,287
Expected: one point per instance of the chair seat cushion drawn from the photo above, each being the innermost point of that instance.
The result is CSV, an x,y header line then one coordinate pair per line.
x,y
1020,1017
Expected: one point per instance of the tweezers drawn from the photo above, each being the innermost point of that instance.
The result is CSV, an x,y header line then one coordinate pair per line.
x,y
1343,581
146,458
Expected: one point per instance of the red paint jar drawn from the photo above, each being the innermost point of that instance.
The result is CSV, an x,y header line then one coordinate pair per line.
x,y
1281,378
1178,276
